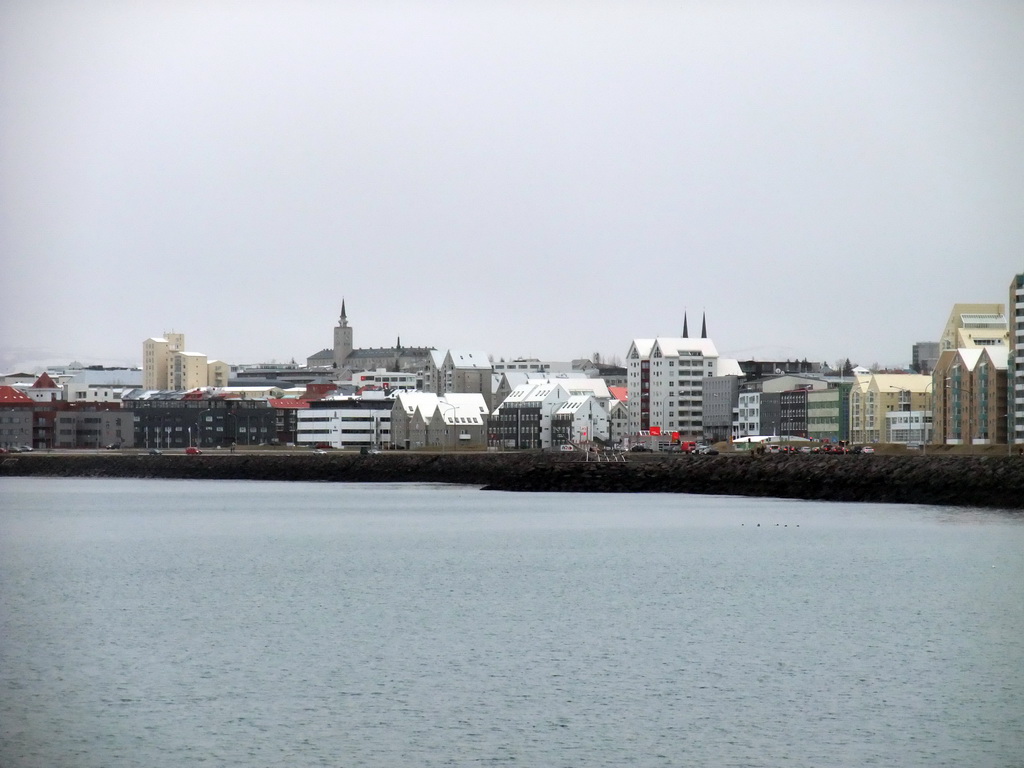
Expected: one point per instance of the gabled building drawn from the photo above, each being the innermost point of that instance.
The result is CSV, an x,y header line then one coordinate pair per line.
x,y
580,419
873,396
460,371
666,383
45,390
970,396
424,420
523,420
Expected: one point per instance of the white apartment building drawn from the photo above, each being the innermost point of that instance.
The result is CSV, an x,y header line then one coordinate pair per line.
x,y
1015,367
347,422
748,415
580,419
665,384
532,365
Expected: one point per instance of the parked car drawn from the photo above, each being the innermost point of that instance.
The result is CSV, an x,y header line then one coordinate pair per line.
x,y
193,451
155,452
867,449
640,449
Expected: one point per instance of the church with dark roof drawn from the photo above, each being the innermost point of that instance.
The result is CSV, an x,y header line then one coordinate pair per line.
x,y
345,356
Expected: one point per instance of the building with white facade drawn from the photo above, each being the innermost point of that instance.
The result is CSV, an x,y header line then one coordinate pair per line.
x,y
532,365
666,384
355,421
579,420
748,414
1015,361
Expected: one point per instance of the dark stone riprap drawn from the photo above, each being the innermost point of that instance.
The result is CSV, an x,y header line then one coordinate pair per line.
x,y
970,481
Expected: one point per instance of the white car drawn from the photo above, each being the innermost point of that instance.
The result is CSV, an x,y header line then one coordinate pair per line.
x,y
867,449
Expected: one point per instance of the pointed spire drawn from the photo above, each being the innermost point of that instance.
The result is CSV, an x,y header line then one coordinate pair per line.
x,y
343,320
704,326
686,332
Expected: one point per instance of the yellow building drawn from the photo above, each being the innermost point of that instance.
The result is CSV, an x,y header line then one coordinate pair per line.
x,y
874,396
166,365
975,325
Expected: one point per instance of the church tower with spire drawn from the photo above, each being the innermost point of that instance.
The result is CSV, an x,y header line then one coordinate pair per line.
x,y
342,339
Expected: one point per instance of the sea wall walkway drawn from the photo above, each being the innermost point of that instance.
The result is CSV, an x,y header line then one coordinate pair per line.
x,y
968,481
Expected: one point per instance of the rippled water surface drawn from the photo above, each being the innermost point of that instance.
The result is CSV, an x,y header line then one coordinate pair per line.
x,y
173,623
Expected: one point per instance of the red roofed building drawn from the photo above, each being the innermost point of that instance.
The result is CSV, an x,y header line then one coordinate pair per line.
x,y
45,390
619,393
15,418
12,396
59,424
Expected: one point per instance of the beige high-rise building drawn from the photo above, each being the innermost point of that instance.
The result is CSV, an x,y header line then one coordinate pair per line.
x,y
975,325
166,365
156,359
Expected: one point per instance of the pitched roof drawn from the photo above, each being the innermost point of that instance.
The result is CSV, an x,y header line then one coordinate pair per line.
x,y
45,382
463,359
11,395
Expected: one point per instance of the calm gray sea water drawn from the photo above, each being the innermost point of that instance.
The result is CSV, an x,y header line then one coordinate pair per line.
x,y
171,623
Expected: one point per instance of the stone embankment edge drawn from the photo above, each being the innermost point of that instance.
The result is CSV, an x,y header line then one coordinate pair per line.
x,y
965,481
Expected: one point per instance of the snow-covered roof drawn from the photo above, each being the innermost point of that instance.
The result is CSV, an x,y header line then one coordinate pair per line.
x,y
728,366
462,408
673,346
463,359
411,401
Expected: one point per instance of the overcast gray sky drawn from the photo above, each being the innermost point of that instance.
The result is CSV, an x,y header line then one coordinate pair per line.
x,y
547,179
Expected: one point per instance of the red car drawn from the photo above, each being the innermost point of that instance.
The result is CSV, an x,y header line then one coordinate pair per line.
x,y
193,451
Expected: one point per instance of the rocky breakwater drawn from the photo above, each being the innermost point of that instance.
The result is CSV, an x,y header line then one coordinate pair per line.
x,y
996,482
971,481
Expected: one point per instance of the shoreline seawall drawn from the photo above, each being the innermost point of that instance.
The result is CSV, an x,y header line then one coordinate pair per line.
x,y
967,481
